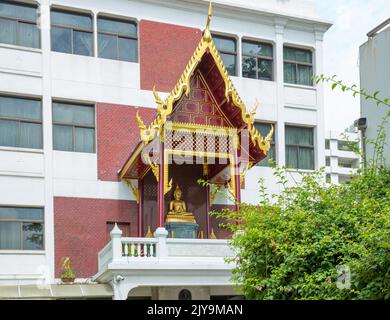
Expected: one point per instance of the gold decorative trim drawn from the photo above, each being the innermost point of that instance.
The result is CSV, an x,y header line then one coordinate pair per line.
x,y
245,171
165,108
167,182
134,190
155,168
212,234
149,234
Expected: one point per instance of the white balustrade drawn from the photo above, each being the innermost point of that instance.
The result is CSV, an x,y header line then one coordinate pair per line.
x,y
139,248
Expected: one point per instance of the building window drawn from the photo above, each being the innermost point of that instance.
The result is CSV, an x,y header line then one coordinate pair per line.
x,y
327,161
299,148
327,144
298,66
347,146
257,60
18,24
71,32
264,129
328,179
20,123
21,228
73,127
227,48
117,39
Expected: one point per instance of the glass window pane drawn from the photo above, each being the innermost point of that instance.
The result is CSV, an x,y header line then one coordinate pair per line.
x,y
19,11
71,19
30,135
306,158
9,133
63,138
230,63
225,44
10,237
265,69
7,31
61,40
28,35
305,75
299,136
290,73
249,68
271,155
82,43
20,108
117,26
83,115
35,214
73,114
85,140
128,50
32,236
257,49
298,55
108,46
292,157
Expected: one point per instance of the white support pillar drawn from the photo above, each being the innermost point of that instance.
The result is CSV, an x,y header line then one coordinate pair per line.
x,y
279,77
320,130
116,243
162,250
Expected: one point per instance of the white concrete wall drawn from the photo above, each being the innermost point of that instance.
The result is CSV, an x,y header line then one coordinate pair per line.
x,y
336,172
33,178
375,76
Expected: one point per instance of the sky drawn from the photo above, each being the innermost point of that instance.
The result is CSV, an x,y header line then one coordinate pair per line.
x,y
352,20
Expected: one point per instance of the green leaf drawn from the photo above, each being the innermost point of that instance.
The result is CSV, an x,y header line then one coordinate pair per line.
x,y
334,85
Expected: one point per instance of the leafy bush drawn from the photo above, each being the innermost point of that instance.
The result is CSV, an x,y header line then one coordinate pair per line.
x,y
290,246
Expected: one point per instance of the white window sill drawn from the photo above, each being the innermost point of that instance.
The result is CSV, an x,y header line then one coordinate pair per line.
x,y
20,48
299,86
25,150
300,170
22,252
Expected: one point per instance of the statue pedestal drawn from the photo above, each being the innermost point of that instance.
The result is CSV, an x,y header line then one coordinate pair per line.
x,y
186,230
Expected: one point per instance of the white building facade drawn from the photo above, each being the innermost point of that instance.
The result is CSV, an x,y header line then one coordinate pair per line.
x,y
374,76
342,158
65,63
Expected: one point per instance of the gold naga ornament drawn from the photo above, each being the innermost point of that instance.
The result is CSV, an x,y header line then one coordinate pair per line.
x,y
165,108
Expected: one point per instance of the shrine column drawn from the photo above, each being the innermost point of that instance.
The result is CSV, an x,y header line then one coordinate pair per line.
x,y
140,208
160,192
237,179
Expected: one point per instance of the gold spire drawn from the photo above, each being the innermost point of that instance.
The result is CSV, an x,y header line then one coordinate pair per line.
x,y
207,33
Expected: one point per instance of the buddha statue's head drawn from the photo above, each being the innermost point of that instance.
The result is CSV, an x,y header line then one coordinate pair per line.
x,y
177,193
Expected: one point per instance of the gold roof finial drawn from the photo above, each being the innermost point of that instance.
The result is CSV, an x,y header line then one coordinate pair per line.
x,y
207,33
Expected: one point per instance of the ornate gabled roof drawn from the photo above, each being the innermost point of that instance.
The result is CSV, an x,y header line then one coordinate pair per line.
x,y
183,87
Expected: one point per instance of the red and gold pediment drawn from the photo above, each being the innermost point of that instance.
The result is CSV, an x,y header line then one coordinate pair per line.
x,y
205,97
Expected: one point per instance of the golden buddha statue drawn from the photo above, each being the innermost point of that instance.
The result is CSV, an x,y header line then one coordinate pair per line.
x,y
178,209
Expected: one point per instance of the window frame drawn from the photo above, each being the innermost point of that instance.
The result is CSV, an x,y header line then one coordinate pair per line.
x,y
244,55
74,126
117,35
227,52
21,120
273,144
19,20
73,29
42,222
299,63
299,146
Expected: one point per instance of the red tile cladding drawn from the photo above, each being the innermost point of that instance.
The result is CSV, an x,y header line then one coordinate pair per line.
x,y
80,229
117,136
165,50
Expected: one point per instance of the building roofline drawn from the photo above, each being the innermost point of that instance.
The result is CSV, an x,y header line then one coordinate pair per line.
x,y
378,28
323,25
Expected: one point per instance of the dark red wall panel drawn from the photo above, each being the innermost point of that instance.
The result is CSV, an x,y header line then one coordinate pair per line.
x,y
165,50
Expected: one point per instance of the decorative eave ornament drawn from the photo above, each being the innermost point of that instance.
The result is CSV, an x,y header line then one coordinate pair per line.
x,y
165,108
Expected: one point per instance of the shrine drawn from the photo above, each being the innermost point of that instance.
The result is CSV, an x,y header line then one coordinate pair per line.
x,y
202,132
